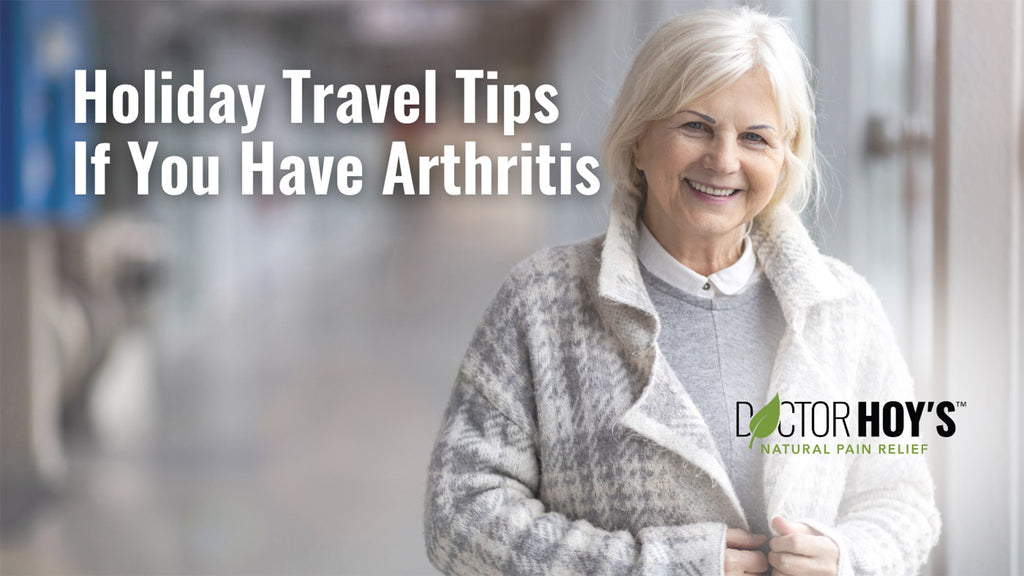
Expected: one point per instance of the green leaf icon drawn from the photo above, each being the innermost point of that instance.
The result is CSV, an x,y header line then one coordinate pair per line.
x,y
764,422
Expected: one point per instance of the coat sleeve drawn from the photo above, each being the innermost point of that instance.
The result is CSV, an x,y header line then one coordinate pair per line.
x,y
483,512
888,521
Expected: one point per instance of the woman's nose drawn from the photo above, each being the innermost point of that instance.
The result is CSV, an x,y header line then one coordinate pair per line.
x,y
721,156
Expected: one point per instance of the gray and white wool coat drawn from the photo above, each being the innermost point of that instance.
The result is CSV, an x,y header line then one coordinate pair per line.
x,y
569,446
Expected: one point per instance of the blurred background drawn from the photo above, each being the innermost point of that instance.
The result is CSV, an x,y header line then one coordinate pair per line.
x,y
252,384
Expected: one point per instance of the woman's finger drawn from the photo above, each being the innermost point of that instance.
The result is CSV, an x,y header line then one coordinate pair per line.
x,y
786,527
793,564
797,565
739,538
804,545
744,562
792,544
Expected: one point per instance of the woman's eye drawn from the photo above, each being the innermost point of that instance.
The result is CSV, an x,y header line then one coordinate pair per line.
x,y
753,137
695,125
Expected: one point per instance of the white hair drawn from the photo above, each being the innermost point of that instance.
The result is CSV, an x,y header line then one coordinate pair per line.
x,y
694,55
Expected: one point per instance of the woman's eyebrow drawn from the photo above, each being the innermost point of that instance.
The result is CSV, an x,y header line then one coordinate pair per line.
x,y
704,117
711,120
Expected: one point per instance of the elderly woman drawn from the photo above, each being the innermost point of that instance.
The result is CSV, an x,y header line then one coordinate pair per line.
x,y
593,424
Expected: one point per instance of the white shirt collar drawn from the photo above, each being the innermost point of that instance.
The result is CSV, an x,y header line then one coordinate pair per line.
x,y
726,282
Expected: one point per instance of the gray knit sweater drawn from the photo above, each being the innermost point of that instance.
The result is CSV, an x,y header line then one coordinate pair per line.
x,y
569,445
722,350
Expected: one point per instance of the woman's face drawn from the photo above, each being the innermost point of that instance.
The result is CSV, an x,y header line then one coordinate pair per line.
x,y
714,165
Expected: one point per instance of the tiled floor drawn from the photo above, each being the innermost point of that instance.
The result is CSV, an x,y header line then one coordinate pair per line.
x,y
288,431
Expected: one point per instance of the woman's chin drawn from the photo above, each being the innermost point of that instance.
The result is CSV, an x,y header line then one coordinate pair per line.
x,y
713,226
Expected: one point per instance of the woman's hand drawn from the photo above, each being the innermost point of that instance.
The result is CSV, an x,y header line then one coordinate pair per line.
x,y
741,552
800,550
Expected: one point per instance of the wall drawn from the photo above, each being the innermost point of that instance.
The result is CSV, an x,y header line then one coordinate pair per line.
x,y
978,279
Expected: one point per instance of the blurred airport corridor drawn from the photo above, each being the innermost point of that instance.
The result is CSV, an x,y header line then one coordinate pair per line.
x,y
289,432
271,406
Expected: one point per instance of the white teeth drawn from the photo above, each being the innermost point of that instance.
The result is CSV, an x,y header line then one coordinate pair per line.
x,y
711,190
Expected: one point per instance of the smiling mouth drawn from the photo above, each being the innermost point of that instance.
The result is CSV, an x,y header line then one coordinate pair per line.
x,y
711,190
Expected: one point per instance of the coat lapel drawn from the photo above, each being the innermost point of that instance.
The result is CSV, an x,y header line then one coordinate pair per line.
x,y
800,279
663,413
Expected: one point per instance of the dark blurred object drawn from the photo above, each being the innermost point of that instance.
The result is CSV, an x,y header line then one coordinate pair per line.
x,y
106,271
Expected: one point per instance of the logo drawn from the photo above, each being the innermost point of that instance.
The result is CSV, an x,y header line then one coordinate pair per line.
x,y
872,420
765,421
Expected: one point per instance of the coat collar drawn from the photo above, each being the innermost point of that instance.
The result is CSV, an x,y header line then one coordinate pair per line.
x,y
622,296
795,269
